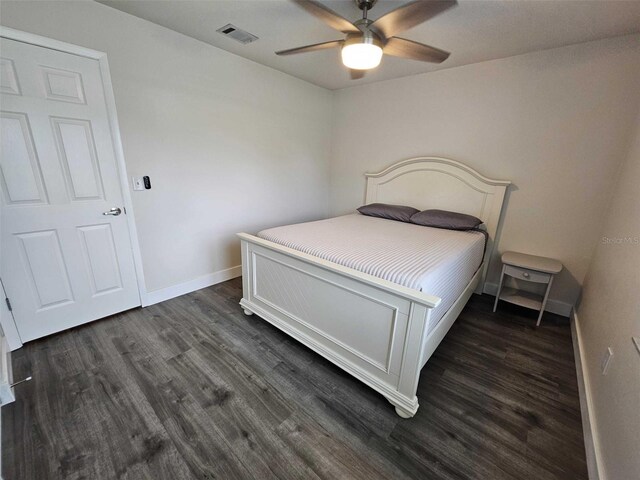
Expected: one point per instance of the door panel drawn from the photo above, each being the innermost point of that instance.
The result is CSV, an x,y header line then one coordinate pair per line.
x,y
63,262
77,152
100,255
42,260
62,85
8,79
21,174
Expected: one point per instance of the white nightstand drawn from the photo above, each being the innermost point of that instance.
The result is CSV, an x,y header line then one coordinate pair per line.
x,y
529,268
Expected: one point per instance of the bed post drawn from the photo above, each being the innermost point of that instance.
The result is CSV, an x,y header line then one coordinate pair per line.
x,y
407,405
491,221
246,274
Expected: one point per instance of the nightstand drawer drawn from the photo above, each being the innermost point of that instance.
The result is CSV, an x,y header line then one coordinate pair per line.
x,y
529,275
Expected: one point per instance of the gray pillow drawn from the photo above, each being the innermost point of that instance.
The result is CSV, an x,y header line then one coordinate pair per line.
x,y
392,212
444,219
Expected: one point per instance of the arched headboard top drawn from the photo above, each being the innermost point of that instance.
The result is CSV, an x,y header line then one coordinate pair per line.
x,y
431,162
434,182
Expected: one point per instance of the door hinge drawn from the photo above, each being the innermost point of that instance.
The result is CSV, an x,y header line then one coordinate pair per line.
x,y
8,304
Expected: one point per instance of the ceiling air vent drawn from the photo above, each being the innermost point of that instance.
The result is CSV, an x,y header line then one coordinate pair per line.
x,y
237,34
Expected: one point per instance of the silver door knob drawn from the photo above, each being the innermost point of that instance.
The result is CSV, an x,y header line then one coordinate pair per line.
x,y
115,211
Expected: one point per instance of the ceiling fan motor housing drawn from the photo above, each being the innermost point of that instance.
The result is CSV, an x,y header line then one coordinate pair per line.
x,y
364,36
366,27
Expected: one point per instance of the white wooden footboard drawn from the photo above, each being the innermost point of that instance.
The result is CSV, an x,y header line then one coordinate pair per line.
x,y
371,328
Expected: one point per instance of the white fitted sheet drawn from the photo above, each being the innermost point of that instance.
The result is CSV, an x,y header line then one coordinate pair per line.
x,y
435,261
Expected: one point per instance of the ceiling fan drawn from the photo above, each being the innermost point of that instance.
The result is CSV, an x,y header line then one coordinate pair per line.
x,y
367,40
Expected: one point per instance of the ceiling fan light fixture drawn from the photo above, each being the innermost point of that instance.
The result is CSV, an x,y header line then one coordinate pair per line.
x,y
362,52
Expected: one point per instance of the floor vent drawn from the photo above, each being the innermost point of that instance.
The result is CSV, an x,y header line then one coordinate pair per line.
x,y
237,34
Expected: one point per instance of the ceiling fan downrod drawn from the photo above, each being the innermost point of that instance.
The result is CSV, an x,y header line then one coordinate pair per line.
x,y
365,6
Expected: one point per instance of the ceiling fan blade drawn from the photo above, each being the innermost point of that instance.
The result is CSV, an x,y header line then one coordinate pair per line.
x,y
311,48
328,16
410,15
400,47
357,74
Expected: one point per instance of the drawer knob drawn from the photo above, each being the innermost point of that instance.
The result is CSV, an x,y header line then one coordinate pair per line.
x,y
526,275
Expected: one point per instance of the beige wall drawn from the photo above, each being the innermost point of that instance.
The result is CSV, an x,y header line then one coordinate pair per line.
x,y
555,122
609,315
229,145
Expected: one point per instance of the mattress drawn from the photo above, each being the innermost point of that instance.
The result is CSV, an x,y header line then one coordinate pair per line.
x,y
435,261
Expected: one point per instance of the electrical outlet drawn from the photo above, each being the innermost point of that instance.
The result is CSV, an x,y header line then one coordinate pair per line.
x,y
138,183
606,360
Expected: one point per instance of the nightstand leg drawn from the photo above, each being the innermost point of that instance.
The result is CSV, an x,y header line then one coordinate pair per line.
x,y
544,301
495,304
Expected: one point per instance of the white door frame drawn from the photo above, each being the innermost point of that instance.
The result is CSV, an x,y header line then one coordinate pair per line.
x,y
11,332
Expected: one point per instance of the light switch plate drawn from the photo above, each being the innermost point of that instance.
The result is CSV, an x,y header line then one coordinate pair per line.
x,y
138,183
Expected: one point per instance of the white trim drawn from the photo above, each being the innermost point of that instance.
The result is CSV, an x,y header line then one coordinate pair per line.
x,y
6,377
157,296
8,326
46,42
554,306
591,444
112,115
110,100
7,394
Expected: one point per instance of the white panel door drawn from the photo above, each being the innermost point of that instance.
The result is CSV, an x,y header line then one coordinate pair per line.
x,y
63,262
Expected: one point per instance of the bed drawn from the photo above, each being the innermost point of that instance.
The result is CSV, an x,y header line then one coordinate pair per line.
x,y
375,306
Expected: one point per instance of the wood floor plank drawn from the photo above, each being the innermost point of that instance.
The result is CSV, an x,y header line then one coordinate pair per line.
x,y
192,388
240,414
329,457
200,443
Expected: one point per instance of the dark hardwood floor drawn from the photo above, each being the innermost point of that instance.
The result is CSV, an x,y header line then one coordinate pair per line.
x,y
192,388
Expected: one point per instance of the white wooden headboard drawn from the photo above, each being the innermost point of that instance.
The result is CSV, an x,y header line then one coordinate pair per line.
x,y
433,182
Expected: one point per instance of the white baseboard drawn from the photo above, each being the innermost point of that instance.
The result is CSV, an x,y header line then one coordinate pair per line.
x,y
591,446
157,296
554,306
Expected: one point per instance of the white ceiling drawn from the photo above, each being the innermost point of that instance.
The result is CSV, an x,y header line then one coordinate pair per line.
x,y
474,31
